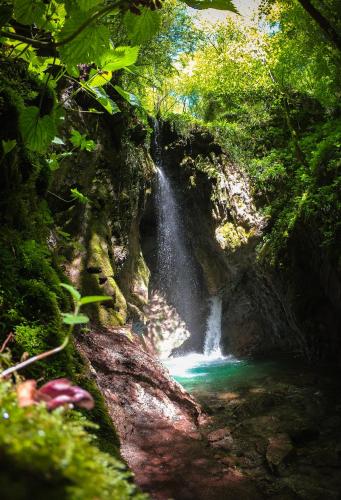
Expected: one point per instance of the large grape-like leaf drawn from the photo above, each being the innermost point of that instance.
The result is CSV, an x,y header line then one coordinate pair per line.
x,y
88,46
98,79
6,12
88,4
119,58
128,96
29,11
212,4
104,100
37,132
143,27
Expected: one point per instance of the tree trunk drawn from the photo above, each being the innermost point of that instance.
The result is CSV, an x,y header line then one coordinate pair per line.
x,y
298,150
324,24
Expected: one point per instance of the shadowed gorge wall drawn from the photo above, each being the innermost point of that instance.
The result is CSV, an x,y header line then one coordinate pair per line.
x,y
222,228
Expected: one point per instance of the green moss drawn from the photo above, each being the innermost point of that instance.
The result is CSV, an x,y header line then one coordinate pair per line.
x,y
110,314
32,339
143,272
98,250
107,438
38,302
231,237
51,454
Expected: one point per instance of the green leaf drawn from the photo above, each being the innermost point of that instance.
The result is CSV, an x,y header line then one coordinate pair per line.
x,y
119,58
37,133
29,11
72,319
88,46
143,27
6,12
77,195
128,96
58,140
7,146
104,100
75,294
76,138
53,162
212,4
88,4
81,141
94,298
99,78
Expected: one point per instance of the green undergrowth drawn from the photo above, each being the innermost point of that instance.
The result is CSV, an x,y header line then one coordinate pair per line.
x,y
296,195
44,449
289,193
61,455
30,303
51,454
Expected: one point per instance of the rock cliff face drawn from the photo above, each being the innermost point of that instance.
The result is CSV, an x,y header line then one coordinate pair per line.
x,y
104,255
312,283
223,228
293,309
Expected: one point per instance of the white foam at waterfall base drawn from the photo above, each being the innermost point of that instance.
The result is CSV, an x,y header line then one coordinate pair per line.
x,y
184,366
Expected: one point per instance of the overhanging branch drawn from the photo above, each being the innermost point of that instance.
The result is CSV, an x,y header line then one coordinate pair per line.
x,y
323,22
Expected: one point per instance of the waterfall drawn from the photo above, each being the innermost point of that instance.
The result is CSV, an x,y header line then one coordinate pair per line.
x,y
213,332
192,365
177,277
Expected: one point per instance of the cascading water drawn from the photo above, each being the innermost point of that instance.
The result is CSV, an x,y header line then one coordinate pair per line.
x,y
195,365
213,332
177,277
176,270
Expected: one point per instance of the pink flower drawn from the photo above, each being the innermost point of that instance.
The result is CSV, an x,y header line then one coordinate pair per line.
x,y
59,392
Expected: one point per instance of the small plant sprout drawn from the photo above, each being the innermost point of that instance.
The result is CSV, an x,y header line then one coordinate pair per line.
x,y
71,319
81,141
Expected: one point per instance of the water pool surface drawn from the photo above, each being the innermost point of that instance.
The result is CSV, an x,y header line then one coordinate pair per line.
x,y
198,373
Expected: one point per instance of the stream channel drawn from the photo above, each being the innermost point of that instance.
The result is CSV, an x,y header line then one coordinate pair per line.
x,y
271,429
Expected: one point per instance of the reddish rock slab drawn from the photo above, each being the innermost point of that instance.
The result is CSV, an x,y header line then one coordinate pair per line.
x,y
159,424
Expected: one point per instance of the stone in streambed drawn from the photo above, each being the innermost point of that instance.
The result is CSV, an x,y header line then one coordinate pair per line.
x,y
221,438
279,450
218,434
230,460
224,444
264,426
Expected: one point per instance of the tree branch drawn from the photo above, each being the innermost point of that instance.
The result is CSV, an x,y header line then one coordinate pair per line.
x,y
29,361
30,41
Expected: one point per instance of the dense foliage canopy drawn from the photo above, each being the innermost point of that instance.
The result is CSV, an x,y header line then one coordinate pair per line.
x,y
270,89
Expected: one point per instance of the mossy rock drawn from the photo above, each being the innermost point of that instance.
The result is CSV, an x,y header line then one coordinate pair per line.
x,y
50,454
231,237
111,313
